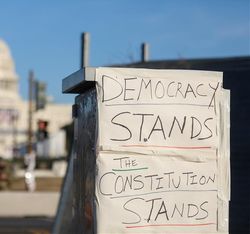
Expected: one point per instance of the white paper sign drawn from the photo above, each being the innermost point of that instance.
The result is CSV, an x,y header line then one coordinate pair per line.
x,y
158,109
151,194
163,158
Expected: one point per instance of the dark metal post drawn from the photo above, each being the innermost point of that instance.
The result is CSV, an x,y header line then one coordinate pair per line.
x,y
30,112
144,52
84,49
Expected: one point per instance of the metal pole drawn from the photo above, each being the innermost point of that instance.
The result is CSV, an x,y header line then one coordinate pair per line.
x,y
30,112
144,52
85,49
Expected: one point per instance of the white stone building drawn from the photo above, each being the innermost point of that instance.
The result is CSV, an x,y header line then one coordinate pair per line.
x,y
14,110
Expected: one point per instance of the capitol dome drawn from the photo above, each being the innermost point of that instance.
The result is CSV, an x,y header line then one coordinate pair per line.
x,y
8,76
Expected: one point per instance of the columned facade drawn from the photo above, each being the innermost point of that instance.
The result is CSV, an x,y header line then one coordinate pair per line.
x,y
14,110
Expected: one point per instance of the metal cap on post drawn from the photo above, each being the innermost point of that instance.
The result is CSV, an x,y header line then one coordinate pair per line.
x,y
144,52
85,49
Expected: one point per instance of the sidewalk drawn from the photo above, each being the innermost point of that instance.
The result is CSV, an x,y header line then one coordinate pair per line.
x,y
14,204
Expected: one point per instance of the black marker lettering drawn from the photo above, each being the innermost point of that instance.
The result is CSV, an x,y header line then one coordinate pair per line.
x,y
117,183
121,125
142,122
210,178
159,84
114,81
192,212
189,90
131,211
179,212
179,90
127,89
198,91
193,134
152,207
168,94
211,133
136,179
159,182
162,210
178,184
180,127
213,96
160,129
202,208
146,86
100,183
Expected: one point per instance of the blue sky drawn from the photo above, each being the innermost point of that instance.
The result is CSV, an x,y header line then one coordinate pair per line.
x,y
44,35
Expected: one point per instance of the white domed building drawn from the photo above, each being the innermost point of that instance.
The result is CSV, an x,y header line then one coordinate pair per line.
x,y
14,110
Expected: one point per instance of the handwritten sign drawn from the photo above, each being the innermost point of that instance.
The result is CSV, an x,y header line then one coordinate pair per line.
x,y
168,108
146,192
159,151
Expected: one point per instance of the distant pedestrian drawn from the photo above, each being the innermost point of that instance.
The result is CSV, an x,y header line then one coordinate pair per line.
x,y
30,162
